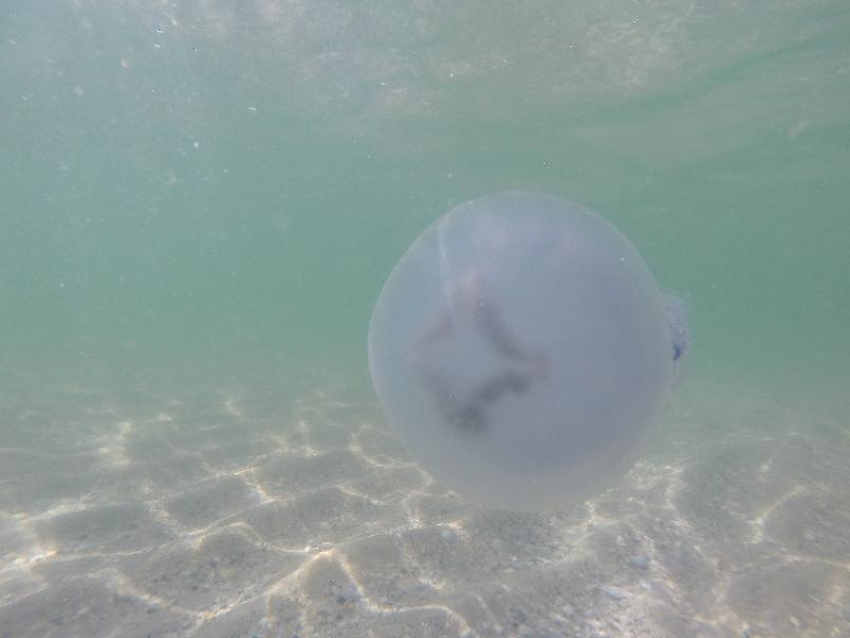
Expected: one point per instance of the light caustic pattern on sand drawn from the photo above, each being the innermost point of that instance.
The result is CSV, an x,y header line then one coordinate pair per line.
x,y
258,515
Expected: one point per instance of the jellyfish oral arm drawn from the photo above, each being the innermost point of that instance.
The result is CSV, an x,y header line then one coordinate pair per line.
x,y
521,368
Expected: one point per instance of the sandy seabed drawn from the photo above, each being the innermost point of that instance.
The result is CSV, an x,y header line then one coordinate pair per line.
x,y
260,514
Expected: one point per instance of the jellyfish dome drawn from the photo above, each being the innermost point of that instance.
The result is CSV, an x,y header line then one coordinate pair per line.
x,y
522,351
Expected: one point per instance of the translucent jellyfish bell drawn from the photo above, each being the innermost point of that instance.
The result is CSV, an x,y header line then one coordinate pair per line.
x,y
522,350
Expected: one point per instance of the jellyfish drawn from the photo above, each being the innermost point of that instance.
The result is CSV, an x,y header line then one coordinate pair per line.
x,y
522,351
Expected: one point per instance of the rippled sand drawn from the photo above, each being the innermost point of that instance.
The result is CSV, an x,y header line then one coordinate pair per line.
x,y
262,514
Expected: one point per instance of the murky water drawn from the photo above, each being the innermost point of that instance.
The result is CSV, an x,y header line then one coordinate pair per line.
x,y
200,203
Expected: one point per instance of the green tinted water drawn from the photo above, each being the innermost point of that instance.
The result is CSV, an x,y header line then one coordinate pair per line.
x,y
204,186
200,201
